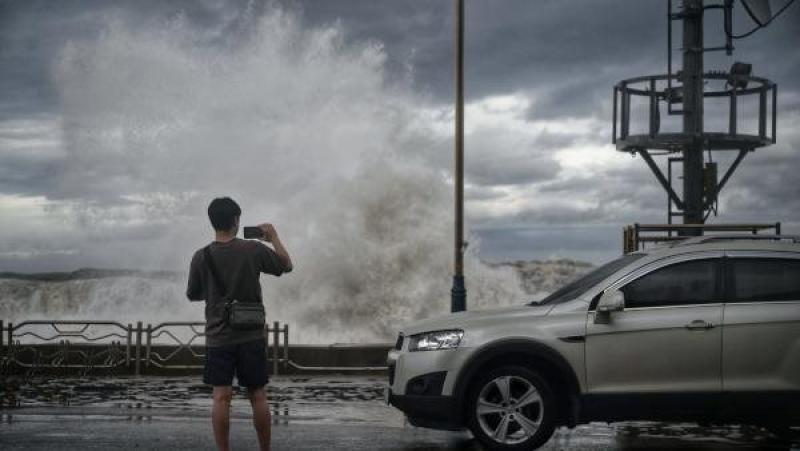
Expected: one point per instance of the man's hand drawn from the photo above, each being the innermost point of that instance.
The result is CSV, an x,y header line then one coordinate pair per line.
x,y
270,234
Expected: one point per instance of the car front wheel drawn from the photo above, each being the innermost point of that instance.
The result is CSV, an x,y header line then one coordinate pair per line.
x,y
512,408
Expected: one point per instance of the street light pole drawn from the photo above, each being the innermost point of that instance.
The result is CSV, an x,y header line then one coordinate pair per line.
x,y
458,300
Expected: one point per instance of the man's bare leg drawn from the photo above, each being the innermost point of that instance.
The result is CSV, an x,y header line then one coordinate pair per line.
x,y
221,416
262,418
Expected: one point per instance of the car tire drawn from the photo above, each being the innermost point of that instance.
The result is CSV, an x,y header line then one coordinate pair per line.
x,y
511,408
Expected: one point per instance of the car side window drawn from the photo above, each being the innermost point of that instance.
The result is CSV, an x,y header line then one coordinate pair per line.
x,y
765,279
692,282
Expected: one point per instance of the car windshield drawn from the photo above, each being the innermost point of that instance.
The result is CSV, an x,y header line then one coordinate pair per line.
x,y
579,286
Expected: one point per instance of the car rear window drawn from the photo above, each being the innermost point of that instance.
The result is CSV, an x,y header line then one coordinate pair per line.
x,y
765,279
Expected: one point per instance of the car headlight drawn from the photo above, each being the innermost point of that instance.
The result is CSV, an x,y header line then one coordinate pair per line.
x,y
432,341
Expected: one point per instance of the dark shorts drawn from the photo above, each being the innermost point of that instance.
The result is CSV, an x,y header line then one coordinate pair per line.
x,y
247,360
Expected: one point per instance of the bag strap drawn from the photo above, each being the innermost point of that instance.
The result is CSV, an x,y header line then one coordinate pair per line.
x,y
214,274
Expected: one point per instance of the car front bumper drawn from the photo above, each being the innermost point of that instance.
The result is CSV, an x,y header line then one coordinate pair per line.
x,y
432,406
435,412
405,366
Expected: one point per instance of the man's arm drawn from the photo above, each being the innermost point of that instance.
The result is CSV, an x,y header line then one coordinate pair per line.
x,y
194,289
271,236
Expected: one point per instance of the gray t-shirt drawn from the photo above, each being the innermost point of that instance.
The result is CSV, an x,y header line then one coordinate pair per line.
x,y
239,264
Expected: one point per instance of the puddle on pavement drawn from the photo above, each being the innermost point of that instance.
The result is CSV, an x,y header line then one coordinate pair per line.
x,y
334,400
298,398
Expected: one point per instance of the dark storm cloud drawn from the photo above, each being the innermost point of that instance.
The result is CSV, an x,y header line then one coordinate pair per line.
x,y
510,45
25,176
766,188
595,243
481,193
603,200
568,50
497,159
33,33
560,47
417,34
567,55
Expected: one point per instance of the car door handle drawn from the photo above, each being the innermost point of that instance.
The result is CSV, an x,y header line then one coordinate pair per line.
x,y
699,324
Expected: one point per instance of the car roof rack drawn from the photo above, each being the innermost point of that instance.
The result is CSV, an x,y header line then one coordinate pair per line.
x,y
635,236
736,237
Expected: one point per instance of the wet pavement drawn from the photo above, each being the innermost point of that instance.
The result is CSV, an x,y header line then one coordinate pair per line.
x,y
319,413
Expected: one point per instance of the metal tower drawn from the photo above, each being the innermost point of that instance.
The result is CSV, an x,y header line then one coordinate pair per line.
x,y
685,93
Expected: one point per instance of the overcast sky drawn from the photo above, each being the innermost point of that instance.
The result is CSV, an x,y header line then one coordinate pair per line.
x,y
119,120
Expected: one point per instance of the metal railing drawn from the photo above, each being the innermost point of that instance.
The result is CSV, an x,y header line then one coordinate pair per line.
x,y
59,350
655,90
154,357
36,345
134,348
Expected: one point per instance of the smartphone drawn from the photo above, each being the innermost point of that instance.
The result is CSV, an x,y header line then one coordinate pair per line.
x,y
253,232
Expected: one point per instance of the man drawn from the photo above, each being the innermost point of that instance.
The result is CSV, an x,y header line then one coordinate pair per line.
x,y
229,351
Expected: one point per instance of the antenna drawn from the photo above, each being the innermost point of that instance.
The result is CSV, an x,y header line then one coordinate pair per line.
x,y
685,93
759,11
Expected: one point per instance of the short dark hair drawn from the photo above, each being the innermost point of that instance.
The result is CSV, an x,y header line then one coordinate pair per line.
x,y
223,212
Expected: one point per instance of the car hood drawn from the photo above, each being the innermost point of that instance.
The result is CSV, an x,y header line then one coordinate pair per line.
x,y
464,320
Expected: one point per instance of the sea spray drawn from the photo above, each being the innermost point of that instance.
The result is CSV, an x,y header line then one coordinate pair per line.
x,y
303,129
132,296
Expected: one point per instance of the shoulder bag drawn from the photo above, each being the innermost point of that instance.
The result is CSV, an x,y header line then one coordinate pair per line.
x,y
239,315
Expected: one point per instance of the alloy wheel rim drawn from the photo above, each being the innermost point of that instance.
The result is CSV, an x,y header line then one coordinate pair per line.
x,y
509,409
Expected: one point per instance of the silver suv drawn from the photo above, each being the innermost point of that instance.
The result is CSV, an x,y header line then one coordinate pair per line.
x,y
704,330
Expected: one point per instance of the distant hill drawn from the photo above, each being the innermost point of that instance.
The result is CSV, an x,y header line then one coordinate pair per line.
x,y
91,273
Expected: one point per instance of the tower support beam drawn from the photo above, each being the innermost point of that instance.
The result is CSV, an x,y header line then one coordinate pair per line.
x,y
661,179
692,79
727,176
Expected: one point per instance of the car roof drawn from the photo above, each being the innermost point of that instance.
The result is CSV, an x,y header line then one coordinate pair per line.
x,y
775,243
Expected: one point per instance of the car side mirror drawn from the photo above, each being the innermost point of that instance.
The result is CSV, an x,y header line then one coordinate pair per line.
x,y
610,301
